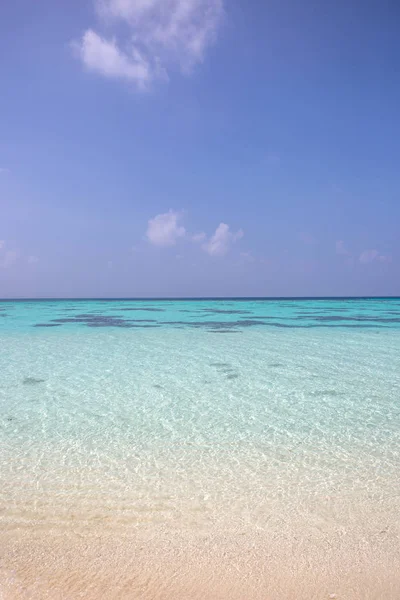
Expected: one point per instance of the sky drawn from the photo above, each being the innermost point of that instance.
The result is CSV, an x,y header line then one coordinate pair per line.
x,y
155,148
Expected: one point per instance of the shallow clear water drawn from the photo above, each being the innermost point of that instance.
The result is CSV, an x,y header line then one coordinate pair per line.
x,y
125,414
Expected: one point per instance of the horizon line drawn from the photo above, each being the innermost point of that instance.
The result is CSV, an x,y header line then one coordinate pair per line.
x,y
198,298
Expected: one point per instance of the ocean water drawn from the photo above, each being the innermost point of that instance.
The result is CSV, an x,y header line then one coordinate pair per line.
x,y
271,416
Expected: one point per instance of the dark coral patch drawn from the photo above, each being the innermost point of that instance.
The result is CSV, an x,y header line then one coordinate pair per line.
x,y
218,325
219,311
224,331
97,320
364,318
147,309
332,393
32,380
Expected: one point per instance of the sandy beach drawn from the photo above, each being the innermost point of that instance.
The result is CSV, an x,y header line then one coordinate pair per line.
x,y
162,564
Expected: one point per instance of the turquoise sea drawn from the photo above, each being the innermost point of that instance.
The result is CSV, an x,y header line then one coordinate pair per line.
x,y
200,416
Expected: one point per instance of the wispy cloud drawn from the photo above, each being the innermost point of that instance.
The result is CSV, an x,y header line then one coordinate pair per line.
x,y
7,256
365,257
4,170
199,237
8,259
106,58
164,229
220,242
163,35
385,258
247,257
341,248
307,239
369,256
11,256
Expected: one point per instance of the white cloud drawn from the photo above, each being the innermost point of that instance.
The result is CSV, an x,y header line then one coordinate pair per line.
x,y
369,256
199,237
8,259
163,35
247,257
164,229
307,238
4,170
341,248
366,256
104,56
220,242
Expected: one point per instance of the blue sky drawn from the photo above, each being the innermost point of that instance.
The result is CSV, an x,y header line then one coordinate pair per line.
x,y
199,148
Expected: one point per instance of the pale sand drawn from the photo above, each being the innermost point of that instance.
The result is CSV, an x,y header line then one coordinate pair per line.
x,y
168,564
